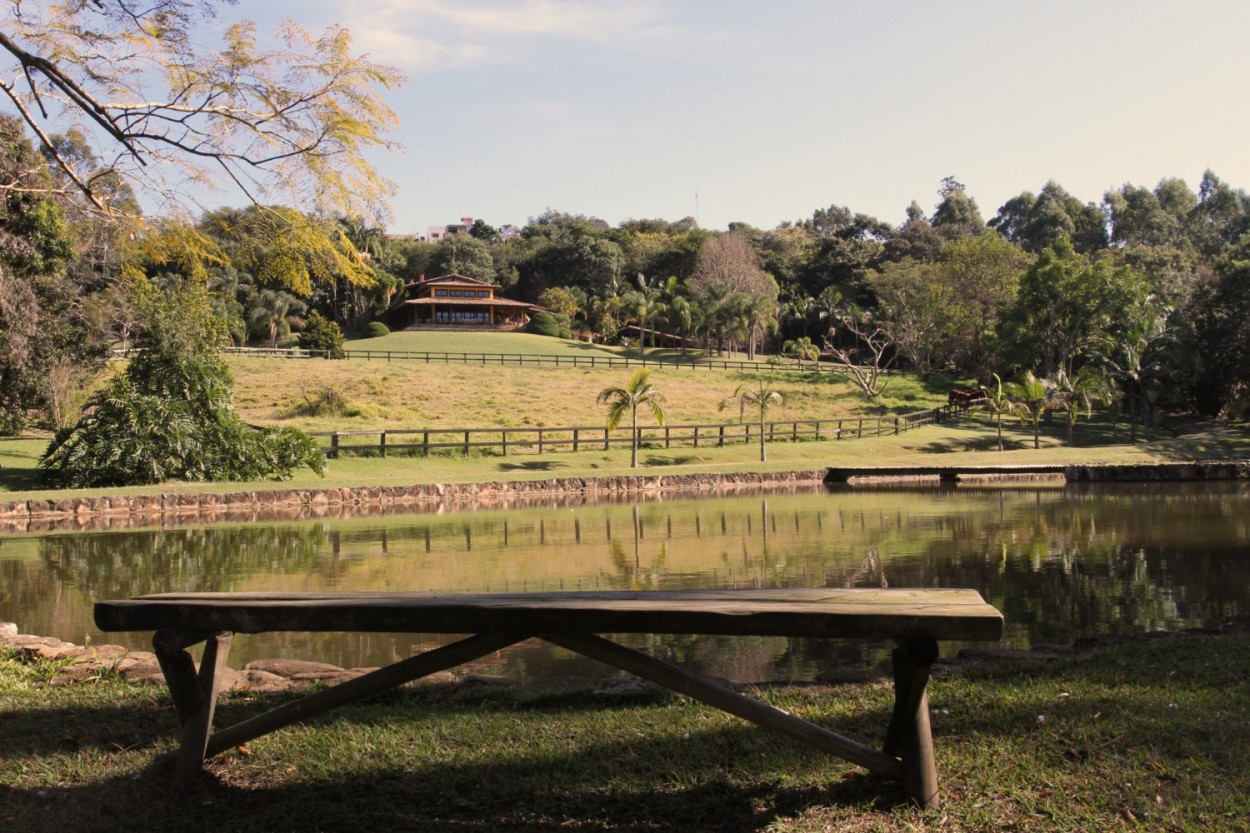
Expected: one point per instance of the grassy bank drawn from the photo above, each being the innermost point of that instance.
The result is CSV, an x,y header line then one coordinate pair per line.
x,y
1145,735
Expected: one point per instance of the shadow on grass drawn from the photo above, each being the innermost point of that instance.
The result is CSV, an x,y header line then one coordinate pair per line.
x,y
532,465
679,460
733,778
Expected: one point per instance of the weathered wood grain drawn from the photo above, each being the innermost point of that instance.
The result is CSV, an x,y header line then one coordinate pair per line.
x,y
868,613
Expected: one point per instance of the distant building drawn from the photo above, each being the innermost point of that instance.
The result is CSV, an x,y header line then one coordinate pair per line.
x,y
459,302
433,234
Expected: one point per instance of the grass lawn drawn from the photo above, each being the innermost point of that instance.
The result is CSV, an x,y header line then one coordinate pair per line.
x,y
1143,735
375,395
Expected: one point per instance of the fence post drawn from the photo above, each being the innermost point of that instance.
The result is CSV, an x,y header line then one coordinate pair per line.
x,y
696,436
382,443
334,446
721,440
466,443
505,442
540,441
896,426
794,437
666,437
576,442
606,442
425,443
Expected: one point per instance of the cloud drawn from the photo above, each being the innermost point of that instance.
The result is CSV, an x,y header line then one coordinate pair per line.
x,y
424,35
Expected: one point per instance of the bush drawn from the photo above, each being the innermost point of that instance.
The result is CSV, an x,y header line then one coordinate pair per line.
x,y
544,324
169,417
376,329
322,334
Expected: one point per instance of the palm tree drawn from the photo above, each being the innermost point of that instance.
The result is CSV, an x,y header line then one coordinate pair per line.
x,y
999,402
637,391
270,309
1031,397
800,349
762,396
646,305
1074,394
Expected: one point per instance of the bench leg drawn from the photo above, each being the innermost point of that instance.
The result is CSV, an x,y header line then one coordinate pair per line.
x,y
909,734
194,695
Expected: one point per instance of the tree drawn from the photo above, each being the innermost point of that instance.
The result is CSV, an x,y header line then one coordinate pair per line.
x,y
866,335
646,305
293,124
983,276
999,402
170,415
48,345
763,396
638,391
1031,397
322,335
272,312
727,264
1074,394
800,349
461,254
915,306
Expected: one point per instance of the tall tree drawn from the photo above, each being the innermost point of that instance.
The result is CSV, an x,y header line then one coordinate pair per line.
x,y
761,397
620,401
48,346
294,123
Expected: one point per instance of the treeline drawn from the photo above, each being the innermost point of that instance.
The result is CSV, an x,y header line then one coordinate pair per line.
x,y
1149,287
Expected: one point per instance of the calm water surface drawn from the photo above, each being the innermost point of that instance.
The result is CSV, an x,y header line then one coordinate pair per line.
x,y
1059,561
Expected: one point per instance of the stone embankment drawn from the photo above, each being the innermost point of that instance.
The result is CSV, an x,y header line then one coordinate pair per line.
x,y
1160,472
116,511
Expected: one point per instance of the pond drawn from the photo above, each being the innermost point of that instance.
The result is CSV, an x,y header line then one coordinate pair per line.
x,y
1061,561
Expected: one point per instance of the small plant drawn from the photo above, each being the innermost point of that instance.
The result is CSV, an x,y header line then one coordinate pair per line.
x,y
327,400
376,329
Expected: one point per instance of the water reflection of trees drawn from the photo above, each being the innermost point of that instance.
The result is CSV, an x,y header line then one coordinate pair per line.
x,y
124,564
1059,564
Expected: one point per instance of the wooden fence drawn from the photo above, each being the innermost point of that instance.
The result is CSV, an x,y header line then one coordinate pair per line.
x,y
507,441
538,360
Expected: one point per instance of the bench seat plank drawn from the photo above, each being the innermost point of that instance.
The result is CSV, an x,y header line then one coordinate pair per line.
x,y
864,613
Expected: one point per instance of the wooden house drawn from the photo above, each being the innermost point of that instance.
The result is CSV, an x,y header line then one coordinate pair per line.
x,y
455,301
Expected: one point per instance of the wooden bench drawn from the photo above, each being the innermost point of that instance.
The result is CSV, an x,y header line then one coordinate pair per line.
x,y
914,619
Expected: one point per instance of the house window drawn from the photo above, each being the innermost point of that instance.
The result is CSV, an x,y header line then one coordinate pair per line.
x,y
455,293
441,293
482,293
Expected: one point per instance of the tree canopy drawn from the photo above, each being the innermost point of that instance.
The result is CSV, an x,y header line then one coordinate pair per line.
x,y
290,123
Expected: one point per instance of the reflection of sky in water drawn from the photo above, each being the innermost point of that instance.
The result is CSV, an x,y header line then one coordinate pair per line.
x,y
1059,562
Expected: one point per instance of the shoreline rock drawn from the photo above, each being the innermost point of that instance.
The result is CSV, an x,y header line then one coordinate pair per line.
x,y
119,511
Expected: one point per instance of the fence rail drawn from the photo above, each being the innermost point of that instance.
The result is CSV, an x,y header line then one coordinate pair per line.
x,y
536,360
577,438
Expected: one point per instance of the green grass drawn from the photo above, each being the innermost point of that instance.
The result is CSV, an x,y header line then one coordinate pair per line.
x,y
1145,735
450,341
408,395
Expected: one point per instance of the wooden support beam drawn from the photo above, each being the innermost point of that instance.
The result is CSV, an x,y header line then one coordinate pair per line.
x,y
756,711
909,732
421,665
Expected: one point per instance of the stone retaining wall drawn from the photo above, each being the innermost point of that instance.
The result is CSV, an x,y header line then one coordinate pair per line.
x,y
1160,472
116,511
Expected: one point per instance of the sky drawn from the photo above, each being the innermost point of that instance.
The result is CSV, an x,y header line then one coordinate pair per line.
x,y
762,113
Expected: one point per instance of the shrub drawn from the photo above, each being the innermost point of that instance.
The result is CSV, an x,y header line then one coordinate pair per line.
x,y
320,333
544,324
376,329
169,417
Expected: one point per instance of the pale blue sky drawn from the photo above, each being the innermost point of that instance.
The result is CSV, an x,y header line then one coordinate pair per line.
x,y
769,111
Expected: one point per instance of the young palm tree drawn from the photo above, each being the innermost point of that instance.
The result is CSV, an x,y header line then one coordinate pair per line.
x,y
762,396
999,402
1074,394
800,349
637,391
1031,397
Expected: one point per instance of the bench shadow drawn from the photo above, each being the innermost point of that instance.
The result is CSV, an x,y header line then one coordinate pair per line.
x,y
710,780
